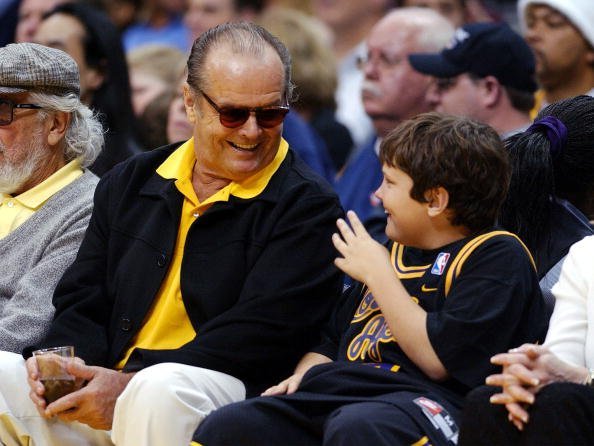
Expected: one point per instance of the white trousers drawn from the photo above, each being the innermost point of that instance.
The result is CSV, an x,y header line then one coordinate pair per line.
x,y
161,405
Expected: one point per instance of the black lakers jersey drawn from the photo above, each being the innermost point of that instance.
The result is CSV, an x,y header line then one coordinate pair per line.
x,y
481,295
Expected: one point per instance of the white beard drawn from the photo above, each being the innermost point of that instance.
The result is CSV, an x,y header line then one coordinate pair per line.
x,y
13,176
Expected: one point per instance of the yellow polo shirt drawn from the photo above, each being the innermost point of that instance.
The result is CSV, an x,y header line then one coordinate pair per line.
x,y
167,325
14,211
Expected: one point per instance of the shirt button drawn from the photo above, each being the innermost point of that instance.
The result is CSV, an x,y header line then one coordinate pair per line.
x,y
10,204
125,324
196,214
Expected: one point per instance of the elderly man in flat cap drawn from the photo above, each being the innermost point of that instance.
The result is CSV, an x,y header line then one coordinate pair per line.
x,y
47,137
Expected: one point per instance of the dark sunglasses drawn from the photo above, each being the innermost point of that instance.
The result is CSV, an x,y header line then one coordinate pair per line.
x,y
233,117
7,110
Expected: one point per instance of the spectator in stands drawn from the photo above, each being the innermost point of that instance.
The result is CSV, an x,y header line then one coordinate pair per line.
x,y
314,74
92,40
161,22
9,12
205,14
153,70
205,273
154,75
122,12
544,391
30,15
453,10
178,127
351,22
458,12
392,92
561,34
486,73
47,139
416,332
301,136
552,186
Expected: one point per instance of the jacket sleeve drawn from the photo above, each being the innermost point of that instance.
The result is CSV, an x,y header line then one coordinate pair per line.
x,y
285,298
26,316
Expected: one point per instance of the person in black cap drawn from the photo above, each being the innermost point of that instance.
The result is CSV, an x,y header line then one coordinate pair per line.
x,y
486,73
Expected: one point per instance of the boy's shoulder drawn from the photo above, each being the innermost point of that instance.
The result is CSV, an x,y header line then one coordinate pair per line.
x,y
493,252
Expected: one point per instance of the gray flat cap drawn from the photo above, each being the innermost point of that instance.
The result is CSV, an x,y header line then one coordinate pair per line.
x,y
33,67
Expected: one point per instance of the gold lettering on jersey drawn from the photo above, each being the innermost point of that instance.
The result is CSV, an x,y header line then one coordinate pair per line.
x,y
366,344
367,307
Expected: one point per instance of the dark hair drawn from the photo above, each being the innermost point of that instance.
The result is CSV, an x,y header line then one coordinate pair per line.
x,y
537,175
242,38
463,156
521,100
253,5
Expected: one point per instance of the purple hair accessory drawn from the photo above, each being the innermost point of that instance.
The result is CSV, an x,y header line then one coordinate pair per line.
x,y
554,129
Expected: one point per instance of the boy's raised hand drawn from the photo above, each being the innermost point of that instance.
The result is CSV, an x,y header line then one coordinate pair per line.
x,y
362,256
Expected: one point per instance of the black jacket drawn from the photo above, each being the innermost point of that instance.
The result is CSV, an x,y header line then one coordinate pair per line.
x,y
257,275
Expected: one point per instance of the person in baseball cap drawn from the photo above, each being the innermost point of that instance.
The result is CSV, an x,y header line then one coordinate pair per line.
x,y
561,34
47,138
485,73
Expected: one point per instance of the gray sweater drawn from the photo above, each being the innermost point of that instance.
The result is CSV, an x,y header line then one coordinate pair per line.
x,y
33,258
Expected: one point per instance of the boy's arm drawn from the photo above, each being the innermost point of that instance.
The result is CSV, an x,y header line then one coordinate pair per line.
x,y
291,384
366,260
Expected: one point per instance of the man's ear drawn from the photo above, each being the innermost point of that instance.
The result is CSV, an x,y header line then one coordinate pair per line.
x,y
438,199
57,123
492,90
189,103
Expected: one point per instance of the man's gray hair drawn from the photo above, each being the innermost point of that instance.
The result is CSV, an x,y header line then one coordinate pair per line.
x,y
84,137
243,38
431,31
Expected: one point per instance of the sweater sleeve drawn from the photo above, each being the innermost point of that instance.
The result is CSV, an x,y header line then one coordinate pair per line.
x,y
568,329
26,316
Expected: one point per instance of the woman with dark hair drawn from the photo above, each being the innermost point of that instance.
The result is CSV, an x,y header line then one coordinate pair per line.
x,y
544,393
552,183
93,41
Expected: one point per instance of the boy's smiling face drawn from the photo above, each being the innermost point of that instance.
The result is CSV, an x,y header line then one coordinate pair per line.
x,y
407,218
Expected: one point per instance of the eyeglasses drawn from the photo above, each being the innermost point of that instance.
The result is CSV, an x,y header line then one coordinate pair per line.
x,y
233,117
7,110
381,61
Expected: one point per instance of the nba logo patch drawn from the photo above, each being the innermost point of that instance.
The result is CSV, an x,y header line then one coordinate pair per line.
x,y
440,263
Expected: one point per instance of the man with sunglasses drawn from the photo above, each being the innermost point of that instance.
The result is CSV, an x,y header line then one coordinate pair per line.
x,y
47,138
207,269
486,73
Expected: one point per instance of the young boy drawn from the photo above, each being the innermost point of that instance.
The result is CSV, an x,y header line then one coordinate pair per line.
x,y
417,331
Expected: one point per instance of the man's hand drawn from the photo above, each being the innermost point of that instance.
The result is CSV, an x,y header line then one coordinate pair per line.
x,y
93,404
362,256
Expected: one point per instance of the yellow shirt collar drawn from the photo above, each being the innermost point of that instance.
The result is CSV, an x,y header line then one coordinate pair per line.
x,y
180,163
36,196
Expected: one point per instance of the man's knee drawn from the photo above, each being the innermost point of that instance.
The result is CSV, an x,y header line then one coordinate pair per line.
x,y
356,422
151,387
